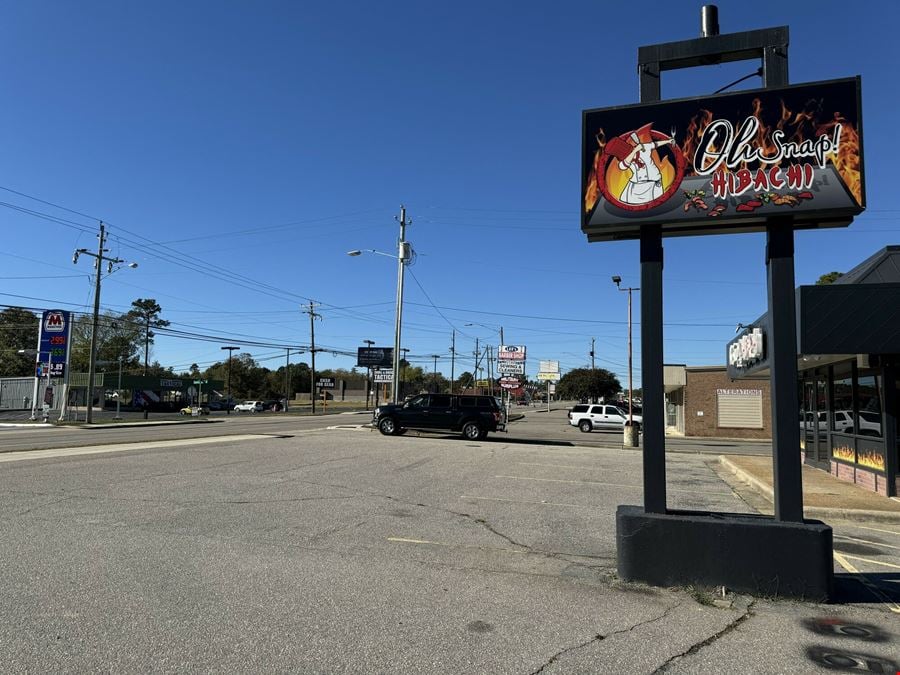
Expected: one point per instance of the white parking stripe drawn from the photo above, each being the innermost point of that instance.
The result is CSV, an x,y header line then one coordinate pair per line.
x,y
870,561
878,529
525,501
122,447
593,482
865,541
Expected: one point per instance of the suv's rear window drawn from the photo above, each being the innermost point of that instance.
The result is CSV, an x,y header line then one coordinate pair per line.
x,y
580,408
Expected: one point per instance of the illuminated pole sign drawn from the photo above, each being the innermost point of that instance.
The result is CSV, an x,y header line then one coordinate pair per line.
x,y
53,345
725,163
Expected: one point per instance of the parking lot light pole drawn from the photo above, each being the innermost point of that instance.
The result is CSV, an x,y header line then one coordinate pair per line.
x,y
228,379
618,280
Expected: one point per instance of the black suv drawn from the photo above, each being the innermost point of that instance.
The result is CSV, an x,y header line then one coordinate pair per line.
x,y
474,416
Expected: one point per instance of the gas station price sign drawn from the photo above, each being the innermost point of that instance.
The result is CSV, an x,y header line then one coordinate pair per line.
x,y
55,333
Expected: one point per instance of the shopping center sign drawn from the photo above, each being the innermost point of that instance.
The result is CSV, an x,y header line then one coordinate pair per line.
x,y
724,163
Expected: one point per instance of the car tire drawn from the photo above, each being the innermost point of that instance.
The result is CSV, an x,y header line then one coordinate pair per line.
x,y
483,434
585,426
471,431
388,426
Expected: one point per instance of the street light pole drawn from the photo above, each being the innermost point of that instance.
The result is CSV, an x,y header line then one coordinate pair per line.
x,y
401,266
228,379
99,259
618,280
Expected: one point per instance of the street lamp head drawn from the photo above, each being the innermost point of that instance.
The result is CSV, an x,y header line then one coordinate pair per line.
x,y
354,253
617,280
133,265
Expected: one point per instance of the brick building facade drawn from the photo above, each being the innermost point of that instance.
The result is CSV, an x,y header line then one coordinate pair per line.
x,y
704,401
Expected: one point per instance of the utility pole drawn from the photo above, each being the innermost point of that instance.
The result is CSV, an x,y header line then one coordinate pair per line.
x,y
405,351
592,353
452,359
475,375
402,259
312,351
490,364
287,377
369,344
99,259
228,379
119,392
434,373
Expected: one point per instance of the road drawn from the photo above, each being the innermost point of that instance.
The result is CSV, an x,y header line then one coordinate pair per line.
x,y
536,425
341,550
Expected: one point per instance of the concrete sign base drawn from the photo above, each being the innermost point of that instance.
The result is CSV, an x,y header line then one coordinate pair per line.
x,y
745,553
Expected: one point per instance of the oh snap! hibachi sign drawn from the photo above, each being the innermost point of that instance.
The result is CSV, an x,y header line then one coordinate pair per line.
x,y
725,163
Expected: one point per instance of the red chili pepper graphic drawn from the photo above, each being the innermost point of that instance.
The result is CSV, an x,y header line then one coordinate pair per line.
x,y
805,195
743,208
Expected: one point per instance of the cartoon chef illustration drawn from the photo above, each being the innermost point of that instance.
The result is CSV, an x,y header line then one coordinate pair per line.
x,y
645,180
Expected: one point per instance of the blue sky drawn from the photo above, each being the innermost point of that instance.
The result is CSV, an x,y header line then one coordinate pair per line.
x,y
266,140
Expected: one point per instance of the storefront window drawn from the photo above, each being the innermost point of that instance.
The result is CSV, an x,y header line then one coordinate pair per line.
x,y
869,422
842,388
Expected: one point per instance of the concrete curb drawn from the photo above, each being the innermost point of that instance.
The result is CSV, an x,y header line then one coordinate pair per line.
x,y
821,512
121,425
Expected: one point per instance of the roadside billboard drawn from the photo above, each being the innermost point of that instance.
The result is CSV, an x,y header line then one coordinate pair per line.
x,y
725,163
511,367
375,357
549,366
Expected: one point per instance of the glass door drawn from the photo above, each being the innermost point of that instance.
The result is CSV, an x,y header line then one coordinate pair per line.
x,y
808,422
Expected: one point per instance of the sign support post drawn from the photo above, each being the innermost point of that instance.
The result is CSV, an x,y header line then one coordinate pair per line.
x,y
654,424
643,183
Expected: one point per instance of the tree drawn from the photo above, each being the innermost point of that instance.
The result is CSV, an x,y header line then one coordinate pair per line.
x,y
146,313
18,330
587,383
117,336
829,278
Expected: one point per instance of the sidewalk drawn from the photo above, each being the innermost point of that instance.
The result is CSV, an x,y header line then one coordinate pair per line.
x,y
824,496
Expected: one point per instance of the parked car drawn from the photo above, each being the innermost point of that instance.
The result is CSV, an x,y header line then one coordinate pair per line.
x,y
590,417
249,406
474,416
216,405
273,405
189,410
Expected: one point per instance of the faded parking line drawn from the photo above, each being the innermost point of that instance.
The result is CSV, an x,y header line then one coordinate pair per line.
x,y
525,501
594,482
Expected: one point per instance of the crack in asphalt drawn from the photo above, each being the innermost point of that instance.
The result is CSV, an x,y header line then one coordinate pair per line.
x,y
306,466
598,637
697,646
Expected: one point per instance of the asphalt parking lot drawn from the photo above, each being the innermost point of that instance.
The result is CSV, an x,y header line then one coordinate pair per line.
x,y
346,551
